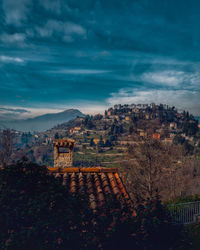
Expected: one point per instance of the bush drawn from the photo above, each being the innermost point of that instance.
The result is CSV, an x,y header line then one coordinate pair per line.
x,y
38,212
155,228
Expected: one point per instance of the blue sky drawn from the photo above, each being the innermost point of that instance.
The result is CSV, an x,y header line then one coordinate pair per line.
x,y
92,54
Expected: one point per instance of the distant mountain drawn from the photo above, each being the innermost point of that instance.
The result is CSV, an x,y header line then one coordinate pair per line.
x,y
43,122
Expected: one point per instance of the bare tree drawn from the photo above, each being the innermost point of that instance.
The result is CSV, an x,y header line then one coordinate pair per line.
x,y
143,172
6,146
158,169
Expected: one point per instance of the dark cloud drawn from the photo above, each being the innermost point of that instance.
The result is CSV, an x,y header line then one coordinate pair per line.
x,y
61,53
14,110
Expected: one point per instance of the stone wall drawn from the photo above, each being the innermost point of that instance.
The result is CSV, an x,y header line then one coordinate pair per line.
x,y
64,159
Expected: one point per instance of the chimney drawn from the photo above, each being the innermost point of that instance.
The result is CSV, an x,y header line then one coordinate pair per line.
x,y
63,152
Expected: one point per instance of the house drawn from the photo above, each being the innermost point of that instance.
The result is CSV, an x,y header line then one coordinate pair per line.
x,y
110,112
96,141
147,116
142,133
156,136
97,182
75,130
173,125
135,110
168,140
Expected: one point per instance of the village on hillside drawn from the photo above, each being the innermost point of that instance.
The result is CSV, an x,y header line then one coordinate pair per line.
x,y
105,139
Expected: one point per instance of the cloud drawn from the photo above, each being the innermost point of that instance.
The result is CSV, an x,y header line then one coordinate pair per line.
x,y
17,38
54,6
8,59
15,11
65,30
11,112
7,113
72,28
170,78
182,99
81,71
14,110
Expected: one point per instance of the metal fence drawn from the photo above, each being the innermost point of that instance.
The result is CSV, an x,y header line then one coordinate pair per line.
x,y
185,213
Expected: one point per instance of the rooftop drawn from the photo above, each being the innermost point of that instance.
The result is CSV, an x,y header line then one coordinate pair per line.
x,y
97,182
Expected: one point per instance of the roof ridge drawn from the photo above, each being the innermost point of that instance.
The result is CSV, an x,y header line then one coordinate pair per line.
x,y
83,170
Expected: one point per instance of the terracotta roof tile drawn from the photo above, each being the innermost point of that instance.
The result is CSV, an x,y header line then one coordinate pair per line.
x,y
97,182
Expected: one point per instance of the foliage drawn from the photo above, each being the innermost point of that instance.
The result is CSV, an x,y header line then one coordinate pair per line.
x,y
146,170
6,146
183,199
193,232
190,128
155,228
37,212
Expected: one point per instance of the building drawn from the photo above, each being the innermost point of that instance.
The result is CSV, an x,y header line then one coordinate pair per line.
x,y
147,116
75,130
142,133
168,140
173,125
156,136
96,141
97,182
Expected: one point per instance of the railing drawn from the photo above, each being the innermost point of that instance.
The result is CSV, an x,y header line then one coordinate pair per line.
x,y
185,213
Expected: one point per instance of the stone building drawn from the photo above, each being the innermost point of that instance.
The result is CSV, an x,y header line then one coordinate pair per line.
x,y
63,153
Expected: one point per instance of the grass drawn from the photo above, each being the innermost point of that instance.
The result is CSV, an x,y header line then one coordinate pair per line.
x,y
99,157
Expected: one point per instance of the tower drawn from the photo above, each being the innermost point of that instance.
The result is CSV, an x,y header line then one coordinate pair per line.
x,y
63,152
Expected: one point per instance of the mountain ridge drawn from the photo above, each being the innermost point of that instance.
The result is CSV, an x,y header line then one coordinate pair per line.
x,y
42,122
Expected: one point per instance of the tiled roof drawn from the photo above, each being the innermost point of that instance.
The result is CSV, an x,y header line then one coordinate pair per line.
x,y
97,182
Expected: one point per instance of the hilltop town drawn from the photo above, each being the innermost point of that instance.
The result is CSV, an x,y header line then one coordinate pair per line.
x,y
105,139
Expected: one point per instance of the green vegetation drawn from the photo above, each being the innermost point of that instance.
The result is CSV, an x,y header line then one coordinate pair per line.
x,y
184,199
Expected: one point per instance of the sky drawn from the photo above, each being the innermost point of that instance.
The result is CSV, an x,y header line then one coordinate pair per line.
x,y
92,54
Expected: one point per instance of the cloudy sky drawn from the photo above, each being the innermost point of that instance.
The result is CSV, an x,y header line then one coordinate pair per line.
x,y
92,54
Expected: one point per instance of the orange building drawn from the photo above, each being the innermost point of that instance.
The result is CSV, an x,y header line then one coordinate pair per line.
x,y
156,136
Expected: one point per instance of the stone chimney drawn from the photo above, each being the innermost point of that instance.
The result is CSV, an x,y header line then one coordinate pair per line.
x,y
63,152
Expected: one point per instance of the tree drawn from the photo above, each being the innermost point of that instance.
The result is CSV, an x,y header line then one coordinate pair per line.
x,y
6,146
130,129
91,142
101,142
145,169
56,135
121,129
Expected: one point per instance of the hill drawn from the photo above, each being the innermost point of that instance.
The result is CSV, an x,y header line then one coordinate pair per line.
x,y
43,122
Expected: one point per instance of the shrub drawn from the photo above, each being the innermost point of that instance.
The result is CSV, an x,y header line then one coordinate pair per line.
x,y
155,228
38,212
